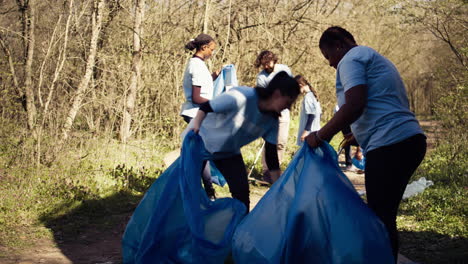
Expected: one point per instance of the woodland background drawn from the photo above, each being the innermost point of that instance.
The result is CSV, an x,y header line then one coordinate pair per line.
x,y
91,89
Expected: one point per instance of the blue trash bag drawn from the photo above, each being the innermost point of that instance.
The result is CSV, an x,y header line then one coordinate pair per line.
x,y
226,78
216,176
175,221
360,164
312,214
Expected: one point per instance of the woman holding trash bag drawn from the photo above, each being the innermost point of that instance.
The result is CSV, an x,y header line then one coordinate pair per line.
x,y
372,99
238,117
198,89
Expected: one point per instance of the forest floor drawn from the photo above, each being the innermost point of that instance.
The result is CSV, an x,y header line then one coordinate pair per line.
x,y
95,244
103,246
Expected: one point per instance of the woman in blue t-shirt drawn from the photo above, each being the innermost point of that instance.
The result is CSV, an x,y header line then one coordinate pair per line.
x,y
372,99
310,110
238,117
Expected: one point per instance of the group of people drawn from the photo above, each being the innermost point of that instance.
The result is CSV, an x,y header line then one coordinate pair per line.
x,y
372,102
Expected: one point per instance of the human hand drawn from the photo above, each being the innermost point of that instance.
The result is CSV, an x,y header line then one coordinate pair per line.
x,y
304,135
313,139
197,121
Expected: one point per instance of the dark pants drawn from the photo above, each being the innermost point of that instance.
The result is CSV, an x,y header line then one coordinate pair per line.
x,y
388,170
235,173
348,159
206,173
347,149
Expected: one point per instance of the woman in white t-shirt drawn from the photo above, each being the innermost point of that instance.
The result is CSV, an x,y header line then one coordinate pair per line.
x,y
373,101
198,81
198,89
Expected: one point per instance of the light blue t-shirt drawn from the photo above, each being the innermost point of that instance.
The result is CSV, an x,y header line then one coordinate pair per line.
x,y
310,106
235,122
386,118
264,78
196,73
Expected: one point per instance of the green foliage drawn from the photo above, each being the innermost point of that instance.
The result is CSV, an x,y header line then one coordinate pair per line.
x,y
433,225
132,179
447,162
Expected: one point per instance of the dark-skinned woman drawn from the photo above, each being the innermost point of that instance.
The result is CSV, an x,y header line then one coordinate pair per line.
x,y
373,101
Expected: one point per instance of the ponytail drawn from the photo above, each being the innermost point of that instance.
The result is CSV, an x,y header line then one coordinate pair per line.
x,y
199,42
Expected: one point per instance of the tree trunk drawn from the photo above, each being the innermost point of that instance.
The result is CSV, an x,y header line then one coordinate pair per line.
x,y
27,11
207,17
136,72
11,64
80,91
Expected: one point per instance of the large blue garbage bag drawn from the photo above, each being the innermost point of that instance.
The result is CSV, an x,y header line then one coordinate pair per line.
x,y
175,221
312,214
226,78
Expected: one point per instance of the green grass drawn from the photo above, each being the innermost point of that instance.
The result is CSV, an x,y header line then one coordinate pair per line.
x,y
97,184
433,225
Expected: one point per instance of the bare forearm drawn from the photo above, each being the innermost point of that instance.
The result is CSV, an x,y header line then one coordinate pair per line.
x,y
197,121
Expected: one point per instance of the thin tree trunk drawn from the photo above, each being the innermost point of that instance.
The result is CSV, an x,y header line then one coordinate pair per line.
x,y
80,91
207,17
11,64
58,69
27,10
136,72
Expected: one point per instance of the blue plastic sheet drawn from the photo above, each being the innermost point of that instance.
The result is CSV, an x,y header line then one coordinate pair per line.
x,y
226,78
360,164
175,221
216,176
312,214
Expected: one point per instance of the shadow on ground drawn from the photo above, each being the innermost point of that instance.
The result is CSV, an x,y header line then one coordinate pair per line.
x,y
433,248
92,232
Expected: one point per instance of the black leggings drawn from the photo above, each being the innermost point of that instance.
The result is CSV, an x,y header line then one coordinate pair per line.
x,y
235,173
388,170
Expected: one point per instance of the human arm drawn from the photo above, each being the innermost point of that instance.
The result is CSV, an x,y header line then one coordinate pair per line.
x,y
356,99
196,95
215,74
201,114
308,126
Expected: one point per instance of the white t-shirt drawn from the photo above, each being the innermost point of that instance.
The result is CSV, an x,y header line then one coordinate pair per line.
x,y
235,122
196,73
386,119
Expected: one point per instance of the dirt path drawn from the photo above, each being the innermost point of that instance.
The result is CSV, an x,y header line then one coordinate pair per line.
x,y
103,246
